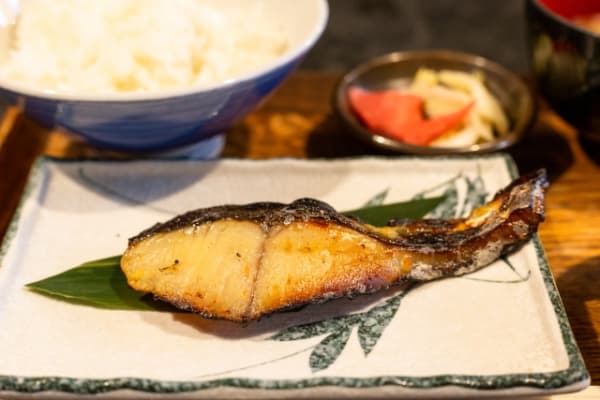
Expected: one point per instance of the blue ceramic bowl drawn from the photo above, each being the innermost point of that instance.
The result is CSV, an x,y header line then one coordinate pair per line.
x,y
159,121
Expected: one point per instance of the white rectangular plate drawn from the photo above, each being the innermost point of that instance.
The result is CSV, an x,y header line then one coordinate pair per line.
x,y
499,331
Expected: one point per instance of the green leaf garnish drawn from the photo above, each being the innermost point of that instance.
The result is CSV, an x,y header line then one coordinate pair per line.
x,y
380,215
101,283
98,283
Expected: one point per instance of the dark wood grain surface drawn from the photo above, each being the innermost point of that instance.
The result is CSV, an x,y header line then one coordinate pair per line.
x,y
298,121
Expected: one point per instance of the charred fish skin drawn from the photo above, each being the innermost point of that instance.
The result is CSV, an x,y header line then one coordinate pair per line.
x,y
240,262
267,214
464,245
531,188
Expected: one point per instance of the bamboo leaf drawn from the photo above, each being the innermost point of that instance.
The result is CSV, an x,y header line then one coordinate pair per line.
x,y
412,209
101,283
98,283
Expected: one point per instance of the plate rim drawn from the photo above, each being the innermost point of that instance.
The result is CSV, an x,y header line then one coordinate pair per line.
x,y
574,377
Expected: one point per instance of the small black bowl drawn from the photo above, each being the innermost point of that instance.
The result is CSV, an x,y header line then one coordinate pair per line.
x,y
565,59
398,69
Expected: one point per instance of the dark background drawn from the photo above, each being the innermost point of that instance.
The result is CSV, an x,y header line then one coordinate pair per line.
x,y
360,29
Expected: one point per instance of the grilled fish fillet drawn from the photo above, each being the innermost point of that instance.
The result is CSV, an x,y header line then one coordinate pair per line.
x,y
240,262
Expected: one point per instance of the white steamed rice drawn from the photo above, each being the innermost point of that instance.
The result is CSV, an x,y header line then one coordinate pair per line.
x,y
108,46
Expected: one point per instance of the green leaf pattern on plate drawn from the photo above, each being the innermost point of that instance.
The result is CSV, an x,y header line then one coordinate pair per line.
x,y
447,208
475,194
371,325
373,322
326,352
378,199
319,328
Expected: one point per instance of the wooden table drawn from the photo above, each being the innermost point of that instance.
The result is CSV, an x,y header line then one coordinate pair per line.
x,y
298,122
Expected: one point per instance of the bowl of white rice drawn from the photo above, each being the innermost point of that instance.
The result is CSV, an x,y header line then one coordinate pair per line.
x,y
152,75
